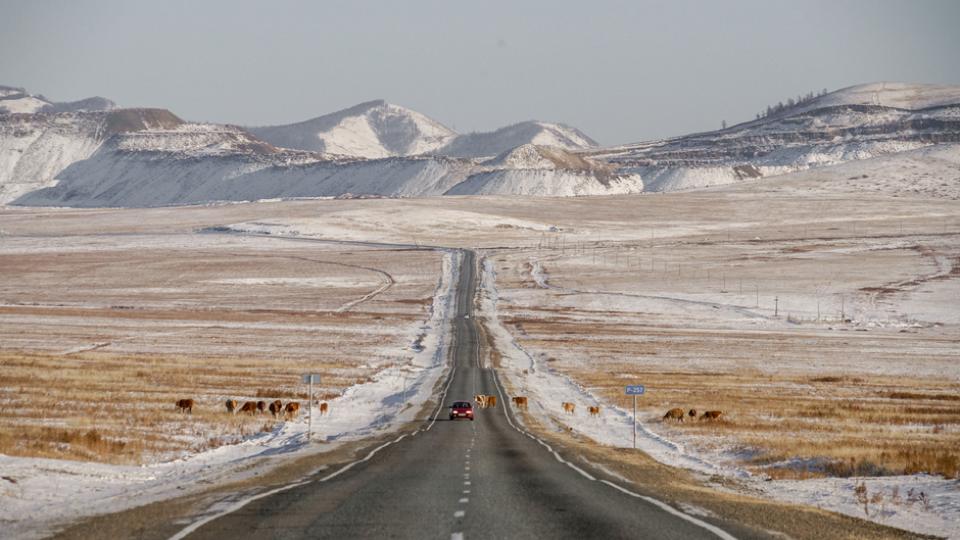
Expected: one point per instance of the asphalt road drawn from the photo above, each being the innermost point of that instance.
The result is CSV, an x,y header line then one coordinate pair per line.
x,y
457,479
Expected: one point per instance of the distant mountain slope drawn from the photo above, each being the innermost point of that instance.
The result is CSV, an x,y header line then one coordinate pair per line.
x,y
888,94
545,171
931,171
123,173
834,128
36,148
375,129
18,101
502,140
69,155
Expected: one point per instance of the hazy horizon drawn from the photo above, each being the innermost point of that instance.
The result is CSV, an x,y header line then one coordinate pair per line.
x,y
619,71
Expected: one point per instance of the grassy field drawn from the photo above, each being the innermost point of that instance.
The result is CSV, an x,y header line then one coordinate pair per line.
x,y
102,335
829,356
824,325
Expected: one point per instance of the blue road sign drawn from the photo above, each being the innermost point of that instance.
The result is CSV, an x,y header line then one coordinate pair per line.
x,y
635,390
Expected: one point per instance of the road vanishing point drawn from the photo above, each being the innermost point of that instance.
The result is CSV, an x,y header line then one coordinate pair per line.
x,y
486,478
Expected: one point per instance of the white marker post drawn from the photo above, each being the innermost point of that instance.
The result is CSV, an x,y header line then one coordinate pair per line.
x,y
310,378
635,390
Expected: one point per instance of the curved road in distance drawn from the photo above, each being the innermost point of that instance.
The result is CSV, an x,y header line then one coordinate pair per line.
x,y
458,479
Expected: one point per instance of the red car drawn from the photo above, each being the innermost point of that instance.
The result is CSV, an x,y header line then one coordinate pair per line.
x,y
461,409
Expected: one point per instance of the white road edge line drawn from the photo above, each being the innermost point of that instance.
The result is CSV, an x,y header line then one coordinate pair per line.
x,y
243,502
233,508
660,504
666,507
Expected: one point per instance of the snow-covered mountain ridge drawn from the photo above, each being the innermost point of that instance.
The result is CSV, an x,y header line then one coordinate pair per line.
x,y
18,101
378,129
150,157
375,129
858,122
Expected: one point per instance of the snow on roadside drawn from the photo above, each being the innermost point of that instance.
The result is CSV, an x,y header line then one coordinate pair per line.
x,y
39,495
547,389
919,503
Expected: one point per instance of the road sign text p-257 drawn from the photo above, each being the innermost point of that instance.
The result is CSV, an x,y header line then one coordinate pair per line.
x,y
635,390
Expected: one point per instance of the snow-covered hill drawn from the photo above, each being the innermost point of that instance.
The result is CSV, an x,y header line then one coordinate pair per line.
x,y
546,171
375,129
504,139
118,176
378,129
855,123
36,148
18,101
931,171
888,94
68,154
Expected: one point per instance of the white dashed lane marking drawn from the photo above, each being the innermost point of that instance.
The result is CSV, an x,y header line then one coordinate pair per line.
x,y
459,514
464,500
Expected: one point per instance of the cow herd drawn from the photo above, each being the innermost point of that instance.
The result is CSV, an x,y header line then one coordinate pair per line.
x,y
276,408
678,415
520,402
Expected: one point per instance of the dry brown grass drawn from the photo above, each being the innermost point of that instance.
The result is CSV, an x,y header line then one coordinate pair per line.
x,y
101,406
811,398
94,354
796,431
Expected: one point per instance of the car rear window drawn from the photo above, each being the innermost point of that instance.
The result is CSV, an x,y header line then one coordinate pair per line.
x,y
462,405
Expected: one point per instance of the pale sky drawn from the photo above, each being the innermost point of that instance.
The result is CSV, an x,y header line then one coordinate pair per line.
x,y
620,71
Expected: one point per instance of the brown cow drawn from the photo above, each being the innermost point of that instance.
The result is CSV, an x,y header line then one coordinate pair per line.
x,y
276,408
692,413
569,407
491,401
675,414
711,415
185,405
290,411
231,405
249,407
324,408
594,411
520,402
261,407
